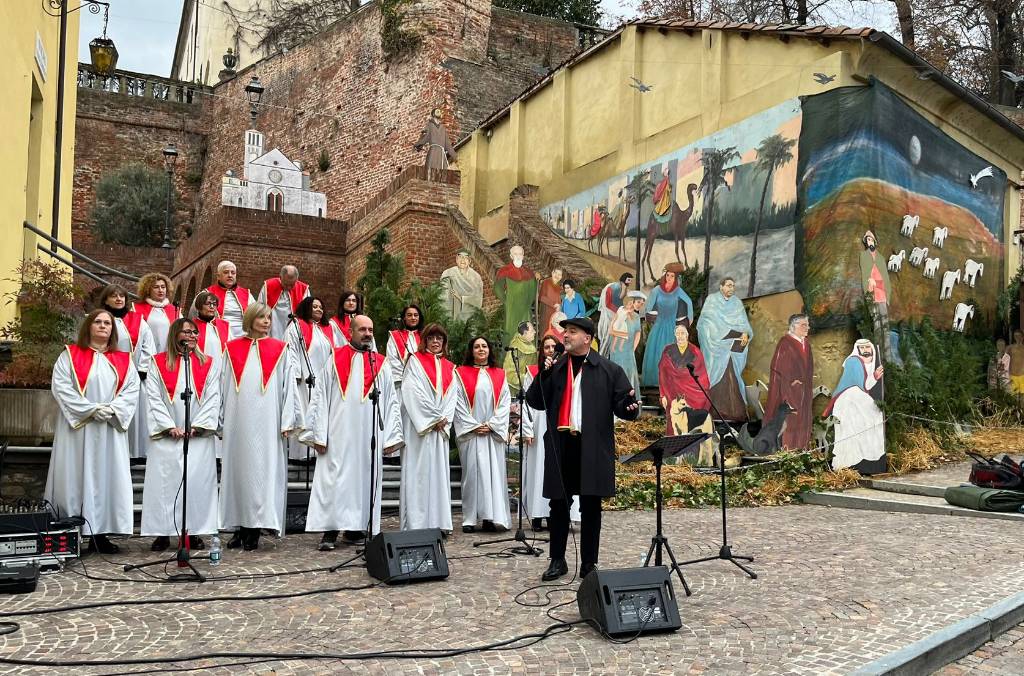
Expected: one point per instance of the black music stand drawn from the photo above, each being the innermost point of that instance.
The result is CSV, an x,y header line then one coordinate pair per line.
x,y
671,447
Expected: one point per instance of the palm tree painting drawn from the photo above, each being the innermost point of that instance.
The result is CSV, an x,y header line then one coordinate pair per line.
x,y
715,162
773,153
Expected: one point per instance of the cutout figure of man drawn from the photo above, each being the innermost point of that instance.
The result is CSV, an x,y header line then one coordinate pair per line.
x,y
464,286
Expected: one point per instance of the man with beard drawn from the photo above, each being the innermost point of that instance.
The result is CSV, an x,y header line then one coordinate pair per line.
x,y
874,277
339,427
526,353
792,371
516,288
860,426
724,334
232,299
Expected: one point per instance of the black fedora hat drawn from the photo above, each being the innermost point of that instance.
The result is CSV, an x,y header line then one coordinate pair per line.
x,y
583,323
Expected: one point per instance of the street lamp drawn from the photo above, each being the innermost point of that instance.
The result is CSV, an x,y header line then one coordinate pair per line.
x,y
254,91
170,157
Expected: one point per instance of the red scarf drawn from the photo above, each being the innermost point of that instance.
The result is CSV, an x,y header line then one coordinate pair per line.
x,y
307,333
133,323
170,376
220,326
344,325
82,359
514,274
429,363
469,374
565,407
401,338
275,287
241,295
533,370
145,308
343,367
270,351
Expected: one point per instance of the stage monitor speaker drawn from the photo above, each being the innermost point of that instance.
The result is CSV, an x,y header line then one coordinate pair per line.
x,y
629,600
407,556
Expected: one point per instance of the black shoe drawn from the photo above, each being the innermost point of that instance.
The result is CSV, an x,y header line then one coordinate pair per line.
x,y
538,525
587,569
236,540
195,542
251,540
329,541
103,545
469,529
353,536
160,544
392,461
557,569
489,527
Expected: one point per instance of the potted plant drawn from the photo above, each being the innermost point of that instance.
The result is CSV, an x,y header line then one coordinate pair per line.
x,y
50,307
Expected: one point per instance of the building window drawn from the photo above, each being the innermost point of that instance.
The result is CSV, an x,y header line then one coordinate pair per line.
x,y
320,213
275,201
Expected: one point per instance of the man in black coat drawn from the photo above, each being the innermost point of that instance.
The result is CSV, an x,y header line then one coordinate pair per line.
x,y
580,392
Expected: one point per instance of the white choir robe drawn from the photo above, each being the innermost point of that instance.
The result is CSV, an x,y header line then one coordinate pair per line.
x,y
89,472
484,478
426,494
319,351
232,313
161,490
340,339
159,324
279,313
214,349
395,361
143,351
254,460
535,426
343,421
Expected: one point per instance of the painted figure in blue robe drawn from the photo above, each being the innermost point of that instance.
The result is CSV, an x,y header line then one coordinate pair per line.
x,y
724,335
667,302
572,302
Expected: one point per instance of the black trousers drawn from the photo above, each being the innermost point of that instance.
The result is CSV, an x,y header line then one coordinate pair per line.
x,y
590,505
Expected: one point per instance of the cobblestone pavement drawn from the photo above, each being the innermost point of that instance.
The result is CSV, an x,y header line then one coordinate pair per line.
x,y
1003,656
837,588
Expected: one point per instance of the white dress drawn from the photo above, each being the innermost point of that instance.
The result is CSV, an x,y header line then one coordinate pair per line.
x,y
254,468
159,324
341,418
484,478
426,496
535,426
161,491
89,473
142,352
319,351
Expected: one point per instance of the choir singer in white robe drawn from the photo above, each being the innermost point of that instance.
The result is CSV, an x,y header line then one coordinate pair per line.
x,y
155,289
259,412
310,333
161,491
283,294
341,426
428,401
97,391
482,406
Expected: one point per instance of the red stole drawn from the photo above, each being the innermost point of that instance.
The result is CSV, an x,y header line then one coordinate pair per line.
x,y
275,287
514,274
133,322
222,328
565,407
82,359
270,351
343,367
469,374
144,308
429,363
401,338
307,333
170,376
242,295
344,325
533,370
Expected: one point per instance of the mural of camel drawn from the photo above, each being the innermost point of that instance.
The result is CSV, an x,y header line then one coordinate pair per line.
x,y
614,226
678,222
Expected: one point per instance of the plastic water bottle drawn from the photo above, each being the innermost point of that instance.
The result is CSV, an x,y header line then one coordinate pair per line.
x,y
215,551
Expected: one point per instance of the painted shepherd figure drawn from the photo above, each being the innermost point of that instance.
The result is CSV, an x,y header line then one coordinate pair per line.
x,y
550,299
613,297
874,275
724,335
464,286
792,373
860,426
516,288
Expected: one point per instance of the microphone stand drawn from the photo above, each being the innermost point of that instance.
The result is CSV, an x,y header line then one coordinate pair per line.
x,y
527,549
310,379
182,556
725,551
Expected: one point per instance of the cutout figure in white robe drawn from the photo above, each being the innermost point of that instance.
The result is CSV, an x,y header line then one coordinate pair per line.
x,y
428,404
341,422
259,408
161,490
859,422
483,400
317,342
535,426
89,473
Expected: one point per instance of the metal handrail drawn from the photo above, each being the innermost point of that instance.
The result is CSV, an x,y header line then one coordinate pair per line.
x,y
77,254
80,269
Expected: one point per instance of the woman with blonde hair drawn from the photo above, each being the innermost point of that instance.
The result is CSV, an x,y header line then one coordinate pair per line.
x,y
260,411
161,492
97,391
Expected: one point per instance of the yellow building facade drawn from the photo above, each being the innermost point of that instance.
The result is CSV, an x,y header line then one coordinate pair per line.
x,y
28,118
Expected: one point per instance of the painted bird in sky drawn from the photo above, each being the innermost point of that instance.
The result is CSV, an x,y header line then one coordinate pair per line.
x,y
1013,77
984,173
823,79
640,86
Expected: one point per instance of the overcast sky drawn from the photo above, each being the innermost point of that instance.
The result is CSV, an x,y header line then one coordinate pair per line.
x,y
144,30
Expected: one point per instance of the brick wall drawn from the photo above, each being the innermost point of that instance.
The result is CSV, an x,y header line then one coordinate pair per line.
x,y
134,260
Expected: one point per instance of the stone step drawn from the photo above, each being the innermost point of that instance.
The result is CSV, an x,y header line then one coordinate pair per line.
x,y
387,485
904,488
886,501
385,504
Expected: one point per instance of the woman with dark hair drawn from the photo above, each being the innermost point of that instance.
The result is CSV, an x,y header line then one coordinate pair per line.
x,y
350,304
312,325
481,432
97,392
214,332
404,341
161,490
428,404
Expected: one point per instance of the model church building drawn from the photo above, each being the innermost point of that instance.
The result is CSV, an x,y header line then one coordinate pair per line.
x,y
272,182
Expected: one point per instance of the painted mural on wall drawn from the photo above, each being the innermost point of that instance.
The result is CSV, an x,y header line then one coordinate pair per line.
x,y
894,208
741,180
